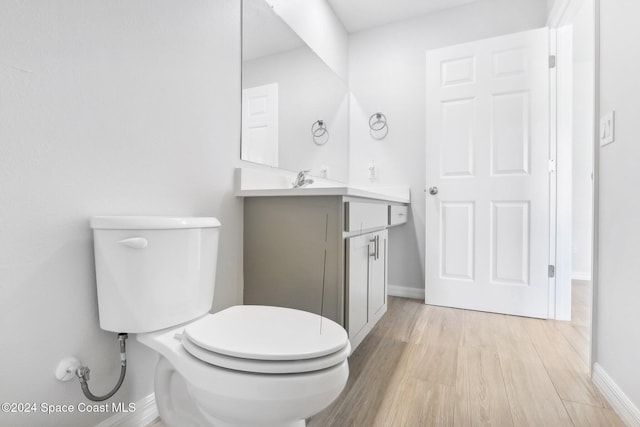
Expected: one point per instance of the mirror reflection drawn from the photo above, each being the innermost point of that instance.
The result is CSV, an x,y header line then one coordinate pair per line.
x,y
286,90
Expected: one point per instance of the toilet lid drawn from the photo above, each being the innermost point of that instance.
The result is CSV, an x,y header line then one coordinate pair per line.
x,y
267,334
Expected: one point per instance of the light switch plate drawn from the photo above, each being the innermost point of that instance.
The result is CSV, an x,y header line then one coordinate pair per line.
x,y
607,128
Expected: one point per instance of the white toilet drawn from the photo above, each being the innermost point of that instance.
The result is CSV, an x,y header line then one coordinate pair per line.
x,y
243,366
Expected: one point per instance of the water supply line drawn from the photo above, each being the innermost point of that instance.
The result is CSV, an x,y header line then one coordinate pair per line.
x,y
83,374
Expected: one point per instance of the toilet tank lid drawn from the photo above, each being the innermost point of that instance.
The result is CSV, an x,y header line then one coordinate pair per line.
x,y
151,222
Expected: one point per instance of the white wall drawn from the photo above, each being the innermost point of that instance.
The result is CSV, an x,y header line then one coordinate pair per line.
x,y
387,74
107,107
308,90
617,322
315,22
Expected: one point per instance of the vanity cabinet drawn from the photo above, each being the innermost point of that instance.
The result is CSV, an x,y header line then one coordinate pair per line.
x,y
322,254
293,254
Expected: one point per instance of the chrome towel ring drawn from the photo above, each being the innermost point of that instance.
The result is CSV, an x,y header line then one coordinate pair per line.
x,y
377,122
320,132
378,126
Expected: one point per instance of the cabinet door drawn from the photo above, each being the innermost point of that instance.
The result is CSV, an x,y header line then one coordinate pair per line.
x,y
357,284
378,277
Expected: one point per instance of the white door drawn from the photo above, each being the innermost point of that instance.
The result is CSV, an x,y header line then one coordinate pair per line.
x,y
260,124
487,224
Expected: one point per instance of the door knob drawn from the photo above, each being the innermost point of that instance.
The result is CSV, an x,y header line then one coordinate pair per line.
x,y
433,190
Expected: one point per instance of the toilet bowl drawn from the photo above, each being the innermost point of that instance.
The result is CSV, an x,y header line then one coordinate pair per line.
x,y
243,366
271,388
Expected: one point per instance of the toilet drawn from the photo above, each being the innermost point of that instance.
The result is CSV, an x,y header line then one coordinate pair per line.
x,y
247,365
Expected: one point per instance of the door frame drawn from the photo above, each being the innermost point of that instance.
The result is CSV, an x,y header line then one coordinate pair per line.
x,y
560,137
562,13
553,181
560,150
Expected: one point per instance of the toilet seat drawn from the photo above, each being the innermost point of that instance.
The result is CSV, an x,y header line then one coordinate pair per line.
x,y
266,366
264,339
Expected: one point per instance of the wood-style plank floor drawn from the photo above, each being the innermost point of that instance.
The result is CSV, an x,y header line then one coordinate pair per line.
x,y
436,366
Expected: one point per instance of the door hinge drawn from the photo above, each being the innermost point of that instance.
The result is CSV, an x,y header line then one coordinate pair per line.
x,y
552,271
552,61
552,165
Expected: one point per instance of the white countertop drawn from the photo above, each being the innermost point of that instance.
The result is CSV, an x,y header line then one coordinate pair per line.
x,y
324,191
257,183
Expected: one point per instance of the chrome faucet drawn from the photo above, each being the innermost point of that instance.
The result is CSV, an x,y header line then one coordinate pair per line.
x,y
302,180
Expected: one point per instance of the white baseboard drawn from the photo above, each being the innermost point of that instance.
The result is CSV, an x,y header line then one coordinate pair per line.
x,y
619,401
146,411
581,275
405,292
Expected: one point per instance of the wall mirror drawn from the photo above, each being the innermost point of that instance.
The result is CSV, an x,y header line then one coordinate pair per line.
x,y
286,88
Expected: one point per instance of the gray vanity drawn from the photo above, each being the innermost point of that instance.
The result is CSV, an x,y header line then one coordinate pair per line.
x,y
322,253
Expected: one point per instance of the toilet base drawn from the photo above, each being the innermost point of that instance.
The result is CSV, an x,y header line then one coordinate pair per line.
x,y
182,404
219,423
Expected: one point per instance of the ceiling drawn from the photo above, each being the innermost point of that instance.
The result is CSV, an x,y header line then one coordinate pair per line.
x,y
358,15
264,33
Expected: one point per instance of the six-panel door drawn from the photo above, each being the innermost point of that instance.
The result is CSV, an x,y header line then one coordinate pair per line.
x,y
487,217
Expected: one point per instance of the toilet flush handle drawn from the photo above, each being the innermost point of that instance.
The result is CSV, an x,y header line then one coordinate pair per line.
x,y
135,242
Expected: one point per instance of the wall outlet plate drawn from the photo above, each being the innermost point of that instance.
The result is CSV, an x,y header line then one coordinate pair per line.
x,y
607,128
373,170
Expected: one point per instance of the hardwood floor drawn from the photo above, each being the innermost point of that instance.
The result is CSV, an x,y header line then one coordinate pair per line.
x,y
436,366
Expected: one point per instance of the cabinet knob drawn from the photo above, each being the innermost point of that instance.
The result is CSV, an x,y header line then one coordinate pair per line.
x,y
433,190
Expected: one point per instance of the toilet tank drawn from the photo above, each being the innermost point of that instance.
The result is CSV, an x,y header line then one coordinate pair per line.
x,y
154,272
